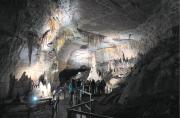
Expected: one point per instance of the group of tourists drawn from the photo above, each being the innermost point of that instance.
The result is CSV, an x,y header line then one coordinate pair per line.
x,y
95,88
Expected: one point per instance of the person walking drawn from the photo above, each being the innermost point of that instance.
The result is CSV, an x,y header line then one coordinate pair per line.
x,y
93,86
79,84
98,83
72,88
103,85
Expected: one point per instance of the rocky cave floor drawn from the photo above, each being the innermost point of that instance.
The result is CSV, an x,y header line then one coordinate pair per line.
x,y
157,106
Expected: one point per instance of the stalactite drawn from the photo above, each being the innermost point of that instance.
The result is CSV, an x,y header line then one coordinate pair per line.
x,y
31,40
92,38
42,39
30,48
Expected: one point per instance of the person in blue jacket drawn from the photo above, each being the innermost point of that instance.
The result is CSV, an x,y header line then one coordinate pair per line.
x,y
72,88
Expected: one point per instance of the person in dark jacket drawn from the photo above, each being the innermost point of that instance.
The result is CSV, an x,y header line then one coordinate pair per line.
x,y
79,84
103,85
93,87
98,84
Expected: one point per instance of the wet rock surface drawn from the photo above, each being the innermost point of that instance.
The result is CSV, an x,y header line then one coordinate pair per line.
x,y
158,106
153,90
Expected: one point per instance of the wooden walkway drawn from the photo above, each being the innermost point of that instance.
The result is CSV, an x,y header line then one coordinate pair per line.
x,y
64,104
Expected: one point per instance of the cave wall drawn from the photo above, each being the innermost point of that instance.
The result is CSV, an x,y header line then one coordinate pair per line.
x,y
21,27
65,54
156,27
152,88
31,35
157,70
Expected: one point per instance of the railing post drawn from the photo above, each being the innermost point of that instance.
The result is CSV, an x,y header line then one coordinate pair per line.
x,y
80,95
93,107
28,113
69,113
90,97
90,103
54,109
81,114
57,106
83,87
64,91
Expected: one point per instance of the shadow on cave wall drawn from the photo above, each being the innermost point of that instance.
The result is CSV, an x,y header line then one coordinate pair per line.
x,y
152,86
19,87
22,87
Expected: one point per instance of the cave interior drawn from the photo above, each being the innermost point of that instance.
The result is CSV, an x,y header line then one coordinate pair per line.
x,y
124,54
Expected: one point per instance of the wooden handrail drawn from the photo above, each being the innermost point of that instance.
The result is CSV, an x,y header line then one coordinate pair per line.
x,y
44,99
89,114
85,92
78,105
71,110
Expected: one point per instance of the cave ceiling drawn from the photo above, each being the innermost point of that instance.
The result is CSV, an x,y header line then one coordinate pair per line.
x,y
109,23
71,25
106,16
112,18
